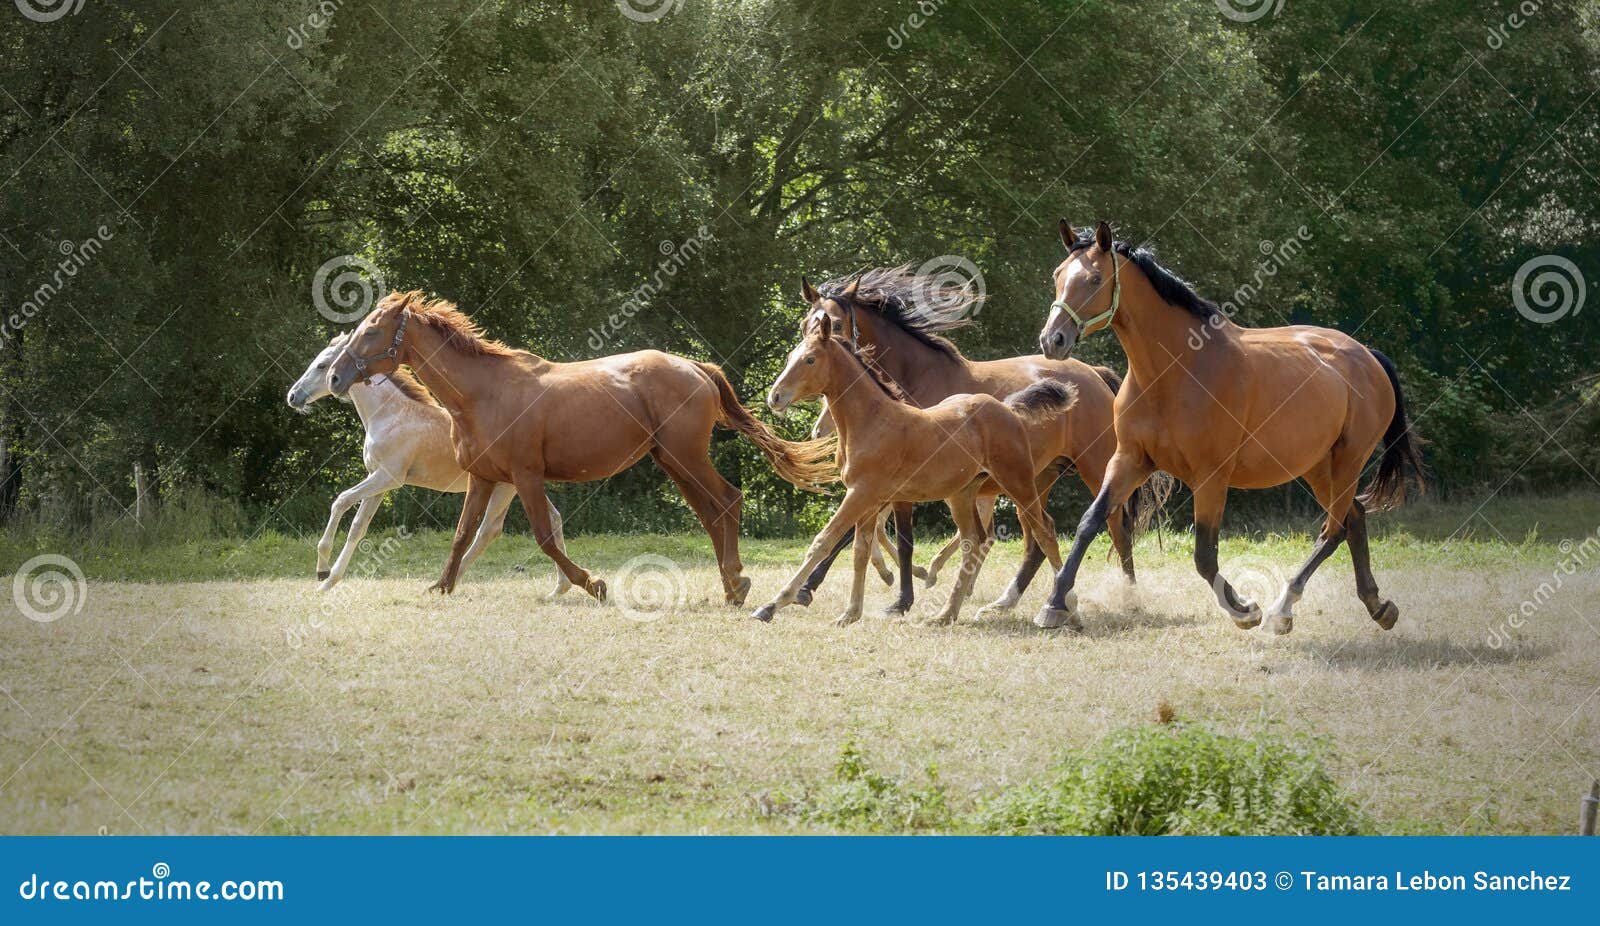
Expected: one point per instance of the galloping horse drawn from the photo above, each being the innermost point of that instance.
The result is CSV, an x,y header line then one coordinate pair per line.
x,y
522,419
898,318
1219,405
890,450
408,443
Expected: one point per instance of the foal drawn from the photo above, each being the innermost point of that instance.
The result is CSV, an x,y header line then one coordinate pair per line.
x,y
892,451
407,443
1218,405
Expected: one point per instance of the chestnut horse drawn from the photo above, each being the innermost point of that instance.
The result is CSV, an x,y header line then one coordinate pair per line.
x,y
1218,405
521,419
891,450
898,318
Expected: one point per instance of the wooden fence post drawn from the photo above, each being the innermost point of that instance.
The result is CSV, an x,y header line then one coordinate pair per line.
x,y
1586,817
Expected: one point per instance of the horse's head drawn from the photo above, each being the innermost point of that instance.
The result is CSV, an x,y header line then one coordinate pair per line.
x,y
1088,287
375,347
811,364
313,383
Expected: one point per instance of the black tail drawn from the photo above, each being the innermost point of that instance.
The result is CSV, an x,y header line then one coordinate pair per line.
x,y
1112,378
1402,448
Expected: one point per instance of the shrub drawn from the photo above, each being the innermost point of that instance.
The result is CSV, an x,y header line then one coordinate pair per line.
x,y
860,798
1181,779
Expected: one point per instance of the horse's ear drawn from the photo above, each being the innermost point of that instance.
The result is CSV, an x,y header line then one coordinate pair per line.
x,y
1068,236
850,290
807,291
824,326
1102,235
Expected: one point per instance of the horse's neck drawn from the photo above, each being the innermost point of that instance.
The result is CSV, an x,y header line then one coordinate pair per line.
x,y
855,398
376,402
1157,335
928,376
458,381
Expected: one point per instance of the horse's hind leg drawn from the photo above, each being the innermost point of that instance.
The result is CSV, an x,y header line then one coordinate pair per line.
x,y
1033,554
716,503
1280,617
986,521
972,538
880,542
1381,610
1209,500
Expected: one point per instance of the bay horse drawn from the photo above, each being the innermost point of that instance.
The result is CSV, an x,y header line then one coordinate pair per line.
x,y
407,443
1219,405
899,318
521,419
890,450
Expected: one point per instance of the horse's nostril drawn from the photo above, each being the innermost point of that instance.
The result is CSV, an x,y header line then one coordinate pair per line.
x,y
1058,339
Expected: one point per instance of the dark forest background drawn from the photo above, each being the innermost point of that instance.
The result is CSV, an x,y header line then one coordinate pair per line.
x,y
175,175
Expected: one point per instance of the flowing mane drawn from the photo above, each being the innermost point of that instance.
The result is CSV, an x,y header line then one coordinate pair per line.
x,y
459,331
921,306
1168,285
883,380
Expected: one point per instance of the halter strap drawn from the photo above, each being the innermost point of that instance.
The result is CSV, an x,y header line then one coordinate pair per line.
x,y
1116,300
393,352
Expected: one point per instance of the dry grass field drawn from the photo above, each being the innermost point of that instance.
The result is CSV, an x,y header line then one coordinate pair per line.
x,y
253,705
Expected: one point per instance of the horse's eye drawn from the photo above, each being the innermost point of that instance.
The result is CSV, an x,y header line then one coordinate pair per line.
x,y
837,327
322,366
811,360
1096,279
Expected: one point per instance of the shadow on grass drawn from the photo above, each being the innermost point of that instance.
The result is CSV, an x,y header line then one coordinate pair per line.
x,y
1394,652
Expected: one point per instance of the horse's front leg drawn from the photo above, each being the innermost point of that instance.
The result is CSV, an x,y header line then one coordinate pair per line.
x,y
472,511
851,510
376,483
1127,471
1209,500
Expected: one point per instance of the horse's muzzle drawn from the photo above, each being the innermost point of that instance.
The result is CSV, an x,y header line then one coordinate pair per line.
x,y
1056,344
777,401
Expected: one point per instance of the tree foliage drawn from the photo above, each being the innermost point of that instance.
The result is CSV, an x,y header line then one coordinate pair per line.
x,y
540,163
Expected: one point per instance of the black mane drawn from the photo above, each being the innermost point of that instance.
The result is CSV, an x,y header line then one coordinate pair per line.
x,y
921,306
1168,285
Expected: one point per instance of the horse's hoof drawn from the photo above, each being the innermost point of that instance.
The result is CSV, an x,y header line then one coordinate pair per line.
x,y
1387,615
740,592
940,620
322,574
1050,618
1251,619
847,618
801,598
327,585
898,609
441,588
887,577
597,588
1277,624
931,578
765,613
917,572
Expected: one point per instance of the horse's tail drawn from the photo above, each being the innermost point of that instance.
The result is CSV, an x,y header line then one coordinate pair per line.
x,y
1043,399
1402,448
1112,378
810,465
1146,501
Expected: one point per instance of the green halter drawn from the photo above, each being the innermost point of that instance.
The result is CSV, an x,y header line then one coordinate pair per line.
x,y
1106,316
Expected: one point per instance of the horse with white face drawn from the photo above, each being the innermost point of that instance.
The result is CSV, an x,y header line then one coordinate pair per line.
x,y
407,443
